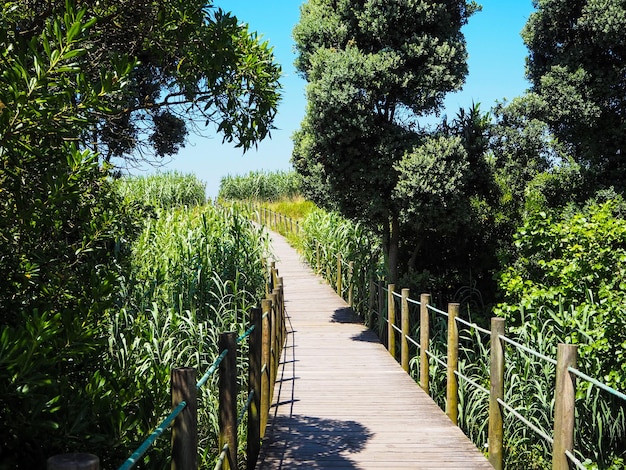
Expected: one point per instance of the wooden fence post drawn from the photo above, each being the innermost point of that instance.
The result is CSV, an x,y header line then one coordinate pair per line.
x,y
381,306
391,317
228,399
350,284
77,461
266,391
339,280
371,303
424,342
254,387
452,389
185,429
404,322
564,405
496,391
317,257
273,343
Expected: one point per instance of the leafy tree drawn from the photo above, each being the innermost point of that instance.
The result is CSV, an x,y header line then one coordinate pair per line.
x,y
64,233
60,240
373,69
576,65
196,65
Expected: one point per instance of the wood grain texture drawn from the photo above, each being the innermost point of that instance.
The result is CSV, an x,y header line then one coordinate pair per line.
x,y
340,400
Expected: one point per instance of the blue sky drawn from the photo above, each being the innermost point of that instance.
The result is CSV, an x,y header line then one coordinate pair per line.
x,y
496,71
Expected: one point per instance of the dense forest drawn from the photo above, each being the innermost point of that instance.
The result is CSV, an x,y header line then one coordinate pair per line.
x,y
106,282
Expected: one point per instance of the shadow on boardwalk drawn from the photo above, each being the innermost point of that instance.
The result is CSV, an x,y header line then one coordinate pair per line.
x,y
319,441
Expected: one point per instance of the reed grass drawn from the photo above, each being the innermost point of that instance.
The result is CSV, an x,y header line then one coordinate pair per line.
x,y
163,190
260,186
196,271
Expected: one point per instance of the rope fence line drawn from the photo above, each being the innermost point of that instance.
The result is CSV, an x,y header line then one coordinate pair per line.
x,y
266,337
562,441
527,349
142,449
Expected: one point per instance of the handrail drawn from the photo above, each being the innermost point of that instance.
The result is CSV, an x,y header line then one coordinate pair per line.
x,y
567,452
141,450
271,321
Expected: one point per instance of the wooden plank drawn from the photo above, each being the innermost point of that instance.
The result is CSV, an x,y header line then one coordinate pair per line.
x,y
340,400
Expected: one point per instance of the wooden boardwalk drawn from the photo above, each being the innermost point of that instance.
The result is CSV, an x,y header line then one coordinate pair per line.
x,y
341,401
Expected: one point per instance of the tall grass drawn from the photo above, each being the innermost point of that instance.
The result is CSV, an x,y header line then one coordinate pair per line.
x,y
324,235
163,190
196,271
600,423
260,186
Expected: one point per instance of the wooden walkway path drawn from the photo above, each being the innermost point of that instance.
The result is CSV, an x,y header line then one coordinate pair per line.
x,y
340,400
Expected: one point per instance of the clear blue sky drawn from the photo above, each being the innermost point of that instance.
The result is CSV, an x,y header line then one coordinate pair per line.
x,y
496,71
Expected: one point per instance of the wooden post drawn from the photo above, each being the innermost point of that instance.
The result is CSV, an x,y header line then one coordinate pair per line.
x,y
381,307
266,391
77,461
404,321
185,429
564,405
273,343
496,391
254,387
424,341
350,284
391,316
317,257
452,389
371,301
228,399
339,280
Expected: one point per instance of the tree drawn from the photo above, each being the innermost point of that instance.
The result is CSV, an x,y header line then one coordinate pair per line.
x,y
196,65
576,66
374,68
64,233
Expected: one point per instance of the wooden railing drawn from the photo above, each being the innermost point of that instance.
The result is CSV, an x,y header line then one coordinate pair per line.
x,y
566,374
266,335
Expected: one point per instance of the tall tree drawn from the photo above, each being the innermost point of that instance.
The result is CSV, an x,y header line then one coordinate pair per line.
x,y
197,65
577,66
374,68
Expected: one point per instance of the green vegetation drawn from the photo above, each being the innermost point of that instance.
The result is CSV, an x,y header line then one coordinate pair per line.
x,y
261,186
196,65
373,70
164,191
83,337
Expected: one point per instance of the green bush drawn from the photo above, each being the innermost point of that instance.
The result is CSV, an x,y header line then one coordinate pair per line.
x,y
566,284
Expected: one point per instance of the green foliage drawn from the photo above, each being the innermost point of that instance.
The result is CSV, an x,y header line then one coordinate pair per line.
x,y
198,65
61,240
196,272
180,251
573,256
565,284
373,69
162,190
577,56
261,186
324,235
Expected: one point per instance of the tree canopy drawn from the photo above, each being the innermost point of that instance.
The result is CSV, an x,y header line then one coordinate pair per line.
x,y
374,68
196,65
577,52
